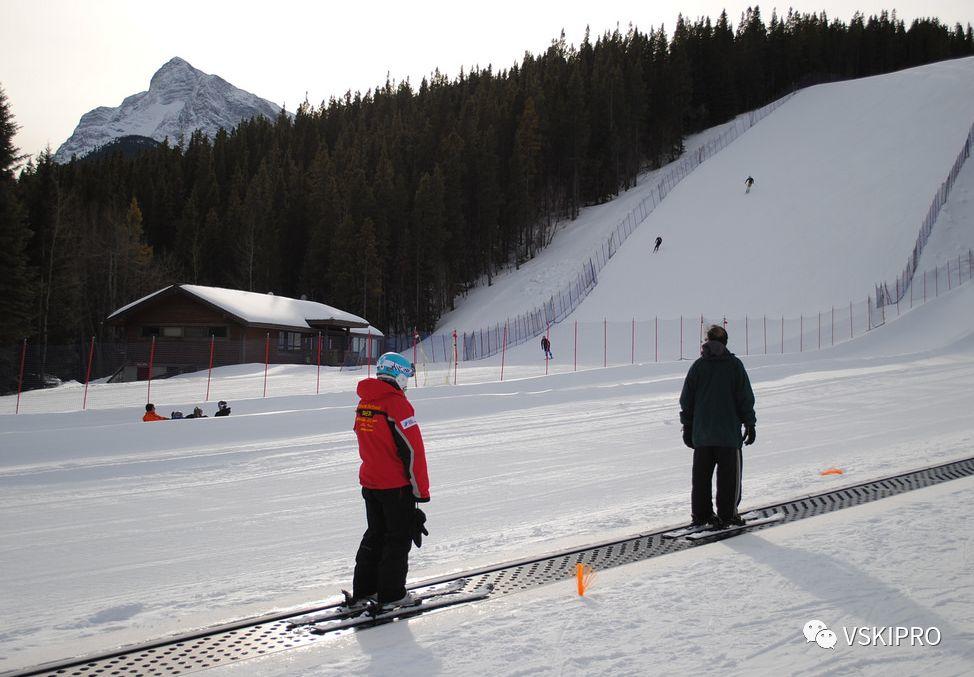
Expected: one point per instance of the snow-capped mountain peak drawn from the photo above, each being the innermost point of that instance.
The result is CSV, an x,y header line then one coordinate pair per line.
x,y
180,100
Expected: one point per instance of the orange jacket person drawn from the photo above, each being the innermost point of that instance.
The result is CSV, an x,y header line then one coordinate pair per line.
x,y
151,415
393,478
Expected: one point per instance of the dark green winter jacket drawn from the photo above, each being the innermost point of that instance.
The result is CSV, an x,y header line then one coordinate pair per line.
x,y
716,398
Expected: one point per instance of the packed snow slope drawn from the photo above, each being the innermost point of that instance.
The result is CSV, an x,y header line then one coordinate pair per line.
x,y
844,174
734,608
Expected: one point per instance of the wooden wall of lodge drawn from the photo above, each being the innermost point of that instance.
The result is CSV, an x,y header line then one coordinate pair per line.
x,y
242,344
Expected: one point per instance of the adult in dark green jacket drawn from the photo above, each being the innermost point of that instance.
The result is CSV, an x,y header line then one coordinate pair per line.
x,y
716,401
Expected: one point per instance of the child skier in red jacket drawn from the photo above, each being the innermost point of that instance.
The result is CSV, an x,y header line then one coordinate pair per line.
x,y
393,478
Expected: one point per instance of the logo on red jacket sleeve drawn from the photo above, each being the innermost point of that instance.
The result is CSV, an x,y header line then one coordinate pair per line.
x,y
408,422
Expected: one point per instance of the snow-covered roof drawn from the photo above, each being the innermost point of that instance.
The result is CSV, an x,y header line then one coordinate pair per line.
x,y
365,331
262,309
125,308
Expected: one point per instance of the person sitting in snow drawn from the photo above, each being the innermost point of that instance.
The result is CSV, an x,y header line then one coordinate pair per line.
x,y
222,409
151,415
197,413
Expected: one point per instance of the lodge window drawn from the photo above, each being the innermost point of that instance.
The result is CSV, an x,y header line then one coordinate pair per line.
x,y
291,340
193,332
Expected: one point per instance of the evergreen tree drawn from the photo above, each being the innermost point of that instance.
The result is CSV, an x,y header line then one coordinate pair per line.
x,y
16,283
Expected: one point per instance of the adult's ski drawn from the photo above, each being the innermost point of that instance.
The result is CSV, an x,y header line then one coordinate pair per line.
x,y
690,529
341,611
424,604
730,531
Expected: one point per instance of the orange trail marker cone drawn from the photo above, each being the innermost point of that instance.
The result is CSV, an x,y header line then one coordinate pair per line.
x,y
832,471
584,575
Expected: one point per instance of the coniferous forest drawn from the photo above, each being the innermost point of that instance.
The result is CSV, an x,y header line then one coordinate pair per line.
x,y
392,202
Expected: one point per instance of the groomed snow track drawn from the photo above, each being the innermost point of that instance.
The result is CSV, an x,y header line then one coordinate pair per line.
x,y
225,644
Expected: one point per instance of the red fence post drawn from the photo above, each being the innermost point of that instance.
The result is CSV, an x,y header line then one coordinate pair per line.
x,y
948,275
852,333
656,322
801,334
20,379
936,282
575,368
318,377
368,352
209,371
833,325
503,351
765,334
152,357
632,356
605,342
782,334
91,357
416,345
267,357
820,330
681,337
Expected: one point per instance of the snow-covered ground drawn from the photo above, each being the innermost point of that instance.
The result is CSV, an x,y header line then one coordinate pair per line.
x,y
736,608
113,531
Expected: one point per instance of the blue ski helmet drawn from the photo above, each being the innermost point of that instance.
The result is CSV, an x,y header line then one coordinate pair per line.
x,y
396,367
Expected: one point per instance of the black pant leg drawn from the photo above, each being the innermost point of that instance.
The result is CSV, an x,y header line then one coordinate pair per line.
x,y
366,578
729,460
398,508
701,502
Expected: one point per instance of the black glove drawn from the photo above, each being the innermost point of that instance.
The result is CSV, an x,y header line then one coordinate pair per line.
x,y
688,435
419,527
749,434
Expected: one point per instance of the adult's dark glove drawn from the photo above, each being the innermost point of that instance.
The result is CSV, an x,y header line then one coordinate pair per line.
x,y
749,434
419,527
688,435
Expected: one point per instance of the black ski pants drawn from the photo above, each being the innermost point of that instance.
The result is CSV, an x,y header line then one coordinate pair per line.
x,y
729,463
382,560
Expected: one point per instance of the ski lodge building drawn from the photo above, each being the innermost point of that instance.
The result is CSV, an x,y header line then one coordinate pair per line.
x,y
185,327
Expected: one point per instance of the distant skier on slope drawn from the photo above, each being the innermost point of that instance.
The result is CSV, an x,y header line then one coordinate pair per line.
x,y
393,478
546,348
659,241
749,181
716,400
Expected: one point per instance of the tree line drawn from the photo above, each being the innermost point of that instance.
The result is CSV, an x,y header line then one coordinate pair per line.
x,y
393,202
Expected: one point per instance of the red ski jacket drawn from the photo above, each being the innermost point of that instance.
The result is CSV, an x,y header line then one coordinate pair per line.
x,y
389,440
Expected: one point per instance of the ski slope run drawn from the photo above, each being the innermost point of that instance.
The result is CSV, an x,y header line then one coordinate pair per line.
x,y
844,176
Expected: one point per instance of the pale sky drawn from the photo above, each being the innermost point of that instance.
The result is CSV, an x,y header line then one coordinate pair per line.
x,y
61,58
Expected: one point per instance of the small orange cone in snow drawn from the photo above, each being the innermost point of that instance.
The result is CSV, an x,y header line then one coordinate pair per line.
x,y
832,471
584,575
